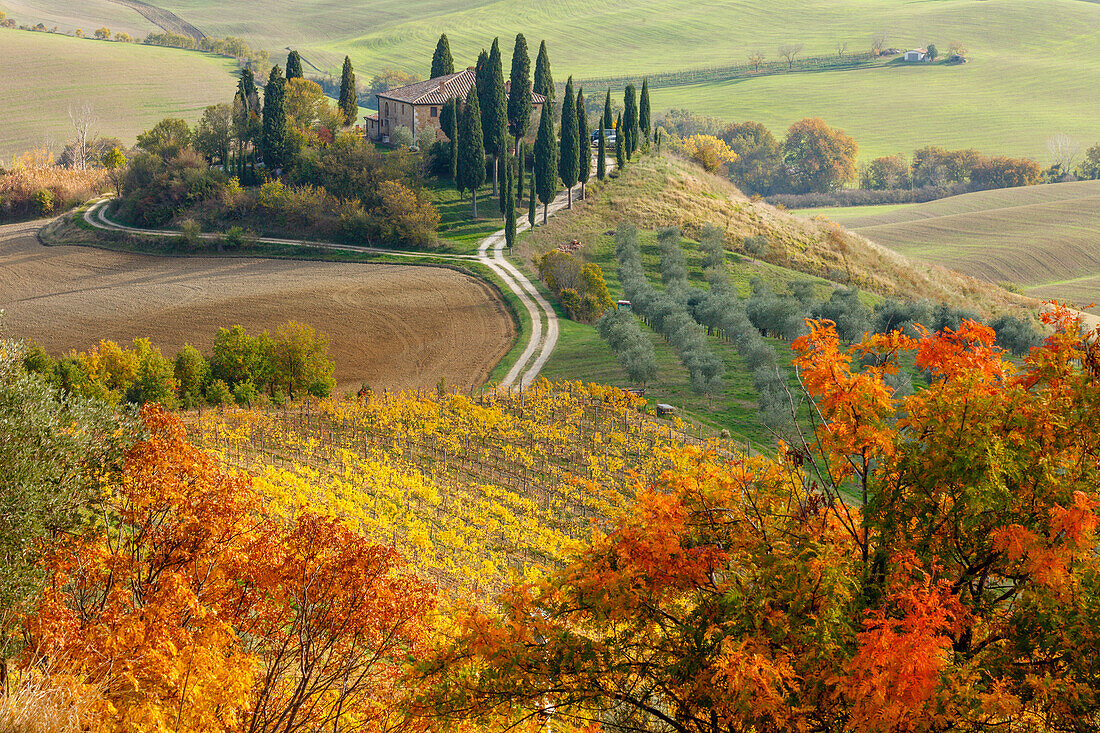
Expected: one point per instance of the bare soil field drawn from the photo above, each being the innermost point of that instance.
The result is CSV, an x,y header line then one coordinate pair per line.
x,y
391,326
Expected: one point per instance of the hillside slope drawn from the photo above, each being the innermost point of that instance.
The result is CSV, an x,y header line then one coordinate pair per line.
x,y
1042,238
1032,74
130,86
663,190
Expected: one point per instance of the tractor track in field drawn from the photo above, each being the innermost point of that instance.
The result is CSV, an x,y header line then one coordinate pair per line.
x,y
164,19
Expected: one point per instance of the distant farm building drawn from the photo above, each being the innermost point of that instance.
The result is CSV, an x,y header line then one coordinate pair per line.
x,y
419,105
916,55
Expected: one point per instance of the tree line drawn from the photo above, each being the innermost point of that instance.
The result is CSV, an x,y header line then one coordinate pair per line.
x,y
244,369
814,164
488,132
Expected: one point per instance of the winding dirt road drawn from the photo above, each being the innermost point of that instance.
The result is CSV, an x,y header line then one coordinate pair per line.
x,y
544,322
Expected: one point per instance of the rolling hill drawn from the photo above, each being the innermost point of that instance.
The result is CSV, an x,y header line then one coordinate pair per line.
x,y
1042,238
130,86
1032,74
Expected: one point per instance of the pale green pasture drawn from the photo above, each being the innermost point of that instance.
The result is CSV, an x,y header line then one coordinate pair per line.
x,y
129,86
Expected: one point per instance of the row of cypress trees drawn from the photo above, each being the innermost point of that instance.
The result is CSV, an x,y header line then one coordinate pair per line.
x,y
480,127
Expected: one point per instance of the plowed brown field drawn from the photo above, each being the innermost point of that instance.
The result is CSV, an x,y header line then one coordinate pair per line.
x,y
391,326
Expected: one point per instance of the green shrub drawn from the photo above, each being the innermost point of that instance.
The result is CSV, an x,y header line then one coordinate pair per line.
x,y
218,393
44,200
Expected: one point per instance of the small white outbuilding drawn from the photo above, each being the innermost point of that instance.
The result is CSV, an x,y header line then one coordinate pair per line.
x,y
916,55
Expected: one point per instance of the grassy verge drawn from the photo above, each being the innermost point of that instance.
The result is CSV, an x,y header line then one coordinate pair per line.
x,y
458,232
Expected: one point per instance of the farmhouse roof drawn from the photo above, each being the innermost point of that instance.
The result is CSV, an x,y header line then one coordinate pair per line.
x,y
918,50
442,88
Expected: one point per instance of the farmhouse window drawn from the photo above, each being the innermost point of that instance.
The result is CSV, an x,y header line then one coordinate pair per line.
x,y
435,111
387,107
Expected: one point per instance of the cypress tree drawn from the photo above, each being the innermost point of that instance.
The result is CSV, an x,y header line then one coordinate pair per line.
x,y
471,155
293,66
607,118
546,174
521,168
479,69
509,201
448,122
246,87
620,149
584,161
519,94
349,95
569,155
644,121
601,156
273,137
442,63
544,80
630,120
531,206
494,109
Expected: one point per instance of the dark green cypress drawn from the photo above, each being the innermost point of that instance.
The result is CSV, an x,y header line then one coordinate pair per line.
x,y
494,110
521,167
620,148
531,205
246,87
584,160
544,80
630,120
479,68
448,122
442,62
273,138
293,66
601,156
519,92
568,154
644,121
349,95
607,118
546,174
471,154
509,201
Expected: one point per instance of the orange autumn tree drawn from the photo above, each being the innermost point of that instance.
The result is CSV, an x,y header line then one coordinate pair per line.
x,y
924,563
194,610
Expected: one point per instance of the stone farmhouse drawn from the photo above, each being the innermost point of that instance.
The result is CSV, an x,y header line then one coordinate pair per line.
x,y
419,105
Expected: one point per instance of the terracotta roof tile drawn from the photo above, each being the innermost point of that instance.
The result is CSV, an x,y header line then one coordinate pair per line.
x,y
440,89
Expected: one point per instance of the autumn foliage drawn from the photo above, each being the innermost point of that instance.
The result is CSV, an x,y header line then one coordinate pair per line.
x,y
926,563
194,609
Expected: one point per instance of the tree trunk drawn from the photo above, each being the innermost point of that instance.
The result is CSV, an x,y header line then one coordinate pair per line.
x,y
569,196
496,169
473,195
544,208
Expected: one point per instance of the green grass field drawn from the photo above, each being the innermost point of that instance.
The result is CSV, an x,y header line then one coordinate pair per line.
x,y
130,86
1033,72
1042,238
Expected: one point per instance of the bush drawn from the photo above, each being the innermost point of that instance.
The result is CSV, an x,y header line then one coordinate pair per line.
x,y
44,200
581,287
851,317
1016,334
408,218
189,234
218,393
401,137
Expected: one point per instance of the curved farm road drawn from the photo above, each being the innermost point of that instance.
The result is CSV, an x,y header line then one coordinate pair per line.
x,y
544,322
